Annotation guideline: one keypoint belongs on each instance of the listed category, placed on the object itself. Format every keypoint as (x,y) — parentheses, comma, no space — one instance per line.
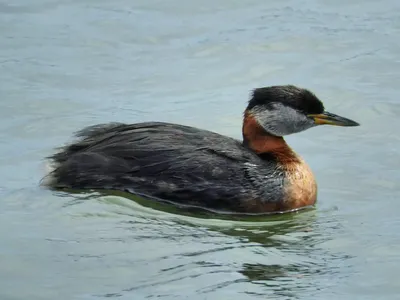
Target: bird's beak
(327,118)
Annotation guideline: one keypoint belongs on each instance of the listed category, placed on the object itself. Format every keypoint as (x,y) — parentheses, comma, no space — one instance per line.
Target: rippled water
(67,64)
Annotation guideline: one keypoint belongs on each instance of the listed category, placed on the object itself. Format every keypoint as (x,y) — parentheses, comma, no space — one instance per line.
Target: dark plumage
(169,161)
(295,97)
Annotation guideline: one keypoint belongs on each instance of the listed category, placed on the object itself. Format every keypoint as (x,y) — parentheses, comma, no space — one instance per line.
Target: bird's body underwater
(196,167)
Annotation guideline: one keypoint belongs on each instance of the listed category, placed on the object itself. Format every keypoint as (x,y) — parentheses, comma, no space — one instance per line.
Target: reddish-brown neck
(260,141)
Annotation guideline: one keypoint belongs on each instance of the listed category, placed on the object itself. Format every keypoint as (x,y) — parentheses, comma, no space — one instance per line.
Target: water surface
(67,64)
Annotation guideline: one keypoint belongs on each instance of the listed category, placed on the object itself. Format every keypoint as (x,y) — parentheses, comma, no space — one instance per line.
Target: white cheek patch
(281,119)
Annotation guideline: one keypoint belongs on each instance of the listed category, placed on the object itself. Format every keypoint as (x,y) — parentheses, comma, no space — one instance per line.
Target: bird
(192,167)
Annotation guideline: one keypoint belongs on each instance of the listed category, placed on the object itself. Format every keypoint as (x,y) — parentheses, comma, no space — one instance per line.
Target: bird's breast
(300,187)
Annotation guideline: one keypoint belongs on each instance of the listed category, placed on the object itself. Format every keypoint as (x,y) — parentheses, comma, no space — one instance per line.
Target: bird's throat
(256,138)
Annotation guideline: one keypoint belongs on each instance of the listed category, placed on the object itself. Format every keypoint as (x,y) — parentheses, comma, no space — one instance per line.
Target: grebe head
(287,109)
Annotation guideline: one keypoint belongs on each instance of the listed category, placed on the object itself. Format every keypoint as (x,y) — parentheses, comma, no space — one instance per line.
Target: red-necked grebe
(195,167)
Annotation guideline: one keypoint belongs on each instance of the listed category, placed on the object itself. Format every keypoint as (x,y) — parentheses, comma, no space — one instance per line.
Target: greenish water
(68,64)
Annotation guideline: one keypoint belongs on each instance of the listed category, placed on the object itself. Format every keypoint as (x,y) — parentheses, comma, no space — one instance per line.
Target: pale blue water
(68,64)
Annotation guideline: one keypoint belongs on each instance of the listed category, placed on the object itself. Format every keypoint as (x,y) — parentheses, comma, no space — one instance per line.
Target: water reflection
(299,262)
(278,256)
(181,209)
